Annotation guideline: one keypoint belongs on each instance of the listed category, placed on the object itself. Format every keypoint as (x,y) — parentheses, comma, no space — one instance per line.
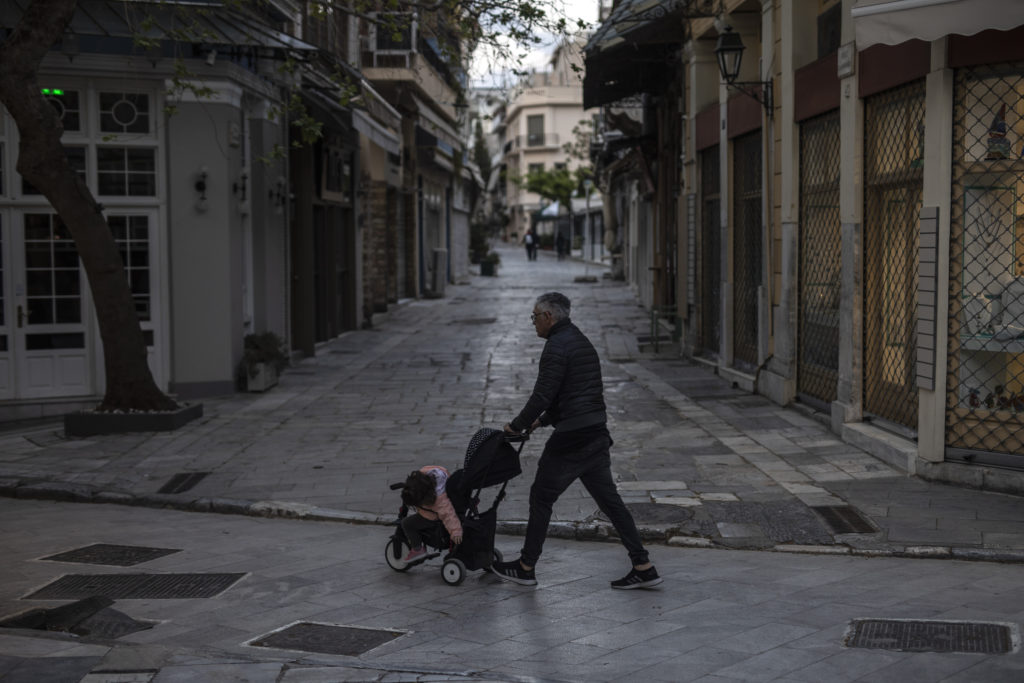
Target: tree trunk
(41,161)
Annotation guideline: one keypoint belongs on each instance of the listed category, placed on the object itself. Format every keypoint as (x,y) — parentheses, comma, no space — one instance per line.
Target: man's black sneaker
(514,572)
(637,578)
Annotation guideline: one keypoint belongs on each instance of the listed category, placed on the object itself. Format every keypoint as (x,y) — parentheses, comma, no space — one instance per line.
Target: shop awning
(630,52)
(376,133)
(892,22)
(433,123)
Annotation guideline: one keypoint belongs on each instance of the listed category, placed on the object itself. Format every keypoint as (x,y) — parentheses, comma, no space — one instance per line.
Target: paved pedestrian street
(720,615)
(773,533)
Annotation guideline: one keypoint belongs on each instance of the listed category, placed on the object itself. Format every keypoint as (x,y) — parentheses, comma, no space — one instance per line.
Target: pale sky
(538,59)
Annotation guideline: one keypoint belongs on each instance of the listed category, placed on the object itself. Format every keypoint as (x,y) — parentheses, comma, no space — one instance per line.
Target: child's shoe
(414,554)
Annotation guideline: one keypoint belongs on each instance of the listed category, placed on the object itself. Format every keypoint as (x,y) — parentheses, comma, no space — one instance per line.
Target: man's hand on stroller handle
(509,429)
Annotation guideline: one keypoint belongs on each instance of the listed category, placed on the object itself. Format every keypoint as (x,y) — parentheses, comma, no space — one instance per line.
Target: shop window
(985,403)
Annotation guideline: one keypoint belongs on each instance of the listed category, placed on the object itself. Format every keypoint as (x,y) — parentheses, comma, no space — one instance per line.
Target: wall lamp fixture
(239,186)
(729,51)
(200,187)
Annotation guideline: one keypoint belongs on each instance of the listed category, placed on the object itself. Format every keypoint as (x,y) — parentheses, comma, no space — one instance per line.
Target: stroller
(491,459)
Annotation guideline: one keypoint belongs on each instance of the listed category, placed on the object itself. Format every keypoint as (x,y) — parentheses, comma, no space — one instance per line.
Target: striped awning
(892,22)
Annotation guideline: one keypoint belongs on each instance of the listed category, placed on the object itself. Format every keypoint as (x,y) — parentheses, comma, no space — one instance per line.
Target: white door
(46,303)
(6,340)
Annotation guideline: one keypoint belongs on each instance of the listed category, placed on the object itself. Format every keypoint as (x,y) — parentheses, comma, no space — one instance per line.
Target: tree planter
(487,268)
(91,423)
(262,377)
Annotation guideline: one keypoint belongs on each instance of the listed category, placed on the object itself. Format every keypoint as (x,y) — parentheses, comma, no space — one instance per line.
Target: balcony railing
(536,140)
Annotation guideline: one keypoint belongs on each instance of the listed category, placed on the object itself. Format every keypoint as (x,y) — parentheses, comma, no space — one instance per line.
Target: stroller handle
(517,438)
(398,485)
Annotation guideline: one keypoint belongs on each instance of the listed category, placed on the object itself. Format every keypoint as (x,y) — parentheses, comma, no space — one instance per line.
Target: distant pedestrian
(425,490)
(568,394)
(531,245)
(560,245)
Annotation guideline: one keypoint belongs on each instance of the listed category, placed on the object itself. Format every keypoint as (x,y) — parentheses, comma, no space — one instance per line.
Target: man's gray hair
(555,303)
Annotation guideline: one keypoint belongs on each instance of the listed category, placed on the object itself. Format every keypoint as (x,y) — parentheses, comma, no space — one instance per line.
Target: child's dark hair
(420,489)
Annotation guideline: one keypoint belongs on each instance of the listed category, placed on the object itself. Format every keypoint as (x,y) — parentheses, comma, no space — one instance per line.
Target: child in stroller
(425,490)
(490,460)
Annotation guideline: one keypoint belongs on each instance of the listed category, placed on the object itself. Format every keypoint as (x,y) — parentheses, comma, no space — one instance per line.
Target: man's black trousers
(582,454)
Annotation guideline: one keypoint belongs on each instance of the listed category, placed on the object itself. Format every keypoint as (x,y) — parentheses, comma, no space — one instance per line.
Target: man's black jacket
(569,392)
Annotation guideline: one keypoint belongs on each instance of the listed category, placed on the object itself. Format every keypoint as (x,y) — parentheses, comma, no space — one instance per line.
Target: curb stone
(579,531)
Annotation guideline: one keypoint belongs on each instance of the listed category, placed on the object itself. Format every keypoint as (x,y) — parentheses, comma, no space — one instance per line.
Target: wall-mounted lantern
(729,51)
(200,187)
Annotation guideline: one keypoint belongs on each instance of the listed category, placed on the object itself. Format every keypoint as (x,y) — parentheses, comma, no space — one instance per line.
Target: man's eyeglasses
(534,316)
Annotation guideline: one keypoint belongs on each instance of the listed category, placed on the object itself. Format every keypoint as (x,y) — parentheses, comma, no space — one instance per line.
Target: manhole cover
(182,482)
(844,519)
(135,586)
(89,617)
(327,639)
(115,555)
(931,636)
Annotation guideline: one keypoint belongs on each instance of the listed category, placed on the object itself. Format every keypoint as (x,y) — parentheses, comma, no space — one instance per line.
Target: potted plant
(263,360)
(489,263)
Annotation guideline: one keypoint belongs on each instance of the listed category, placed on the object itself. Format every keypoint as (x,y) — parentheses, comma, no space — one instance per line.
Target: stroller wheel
(453,572)
(498,557)
(393,553)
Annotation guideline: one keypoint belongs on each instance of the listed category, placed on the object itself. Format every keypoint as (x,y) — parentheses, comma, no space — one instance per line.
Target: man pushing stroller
(569,395)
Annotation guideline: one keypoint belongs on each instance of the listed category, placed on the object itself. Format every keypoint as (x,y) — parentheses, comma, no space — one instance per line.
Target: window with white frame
(131,234)
(126,171)
(67,104)
(124,112)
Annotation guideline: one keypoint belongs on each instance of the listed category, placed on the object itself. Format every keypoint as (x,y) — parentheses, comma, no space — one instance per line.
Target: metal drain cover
(89,617)
(931,636)
(182,482)
(844,519)
(115,555)
(327,639)
(136,586)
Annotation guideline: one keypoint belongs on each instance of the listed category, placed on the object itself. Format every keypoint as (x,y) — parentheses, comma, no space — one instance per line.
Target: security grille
(985,381)
(893,186)
(820,259)
(710,254)
(746,248)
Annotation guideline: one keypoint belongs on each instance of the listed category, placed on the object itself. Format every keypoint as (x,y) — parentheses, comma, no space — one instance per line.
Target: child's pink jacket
(442,508)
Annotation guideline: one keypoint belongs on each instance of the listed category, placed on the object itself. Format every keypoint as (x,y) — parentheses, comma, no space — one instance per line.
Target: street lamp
(729,51)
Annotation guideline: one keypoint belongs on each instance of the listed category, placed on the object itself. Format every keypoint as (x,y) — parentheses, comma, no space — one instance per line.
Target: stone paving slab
(374,404)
